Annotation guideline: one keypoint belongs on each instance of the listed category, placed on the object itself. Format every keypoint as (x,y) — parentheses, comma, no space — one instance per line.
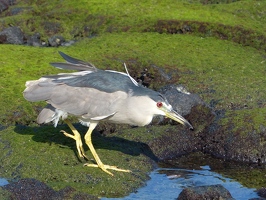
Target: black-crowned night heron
(95,95)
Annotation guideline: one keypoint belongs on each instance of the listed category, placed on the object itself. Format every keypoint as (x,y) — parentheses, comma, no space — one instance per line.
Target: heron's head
(165,109)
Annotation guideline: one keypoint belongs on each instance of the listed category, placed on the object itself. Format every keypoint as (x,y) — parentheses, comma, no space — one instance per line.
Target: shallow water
(167,183)
(3,182)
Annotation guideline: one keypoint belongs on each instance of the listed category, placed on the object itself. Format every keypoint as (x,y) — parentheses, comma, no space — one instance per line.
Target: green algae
(83,18)
(5,195)
(245,120)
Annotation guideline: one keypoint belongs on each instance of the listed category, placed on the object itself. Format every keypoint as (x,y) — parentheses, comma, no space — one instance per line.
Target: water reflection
(167,183)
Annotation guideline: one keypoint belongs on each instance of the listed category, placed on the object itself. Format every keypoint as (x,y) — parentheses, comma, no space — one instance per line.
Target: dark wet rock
(3,39)
(4,4)
(214,192)
(181,100)
(154,76)
(179,140)
(35,40)
(56,40)
(233,142)
(145,78)
(228,141)
(12,35)
(173,143)
(29,189)
(34,189)
(17,10)
(262,192)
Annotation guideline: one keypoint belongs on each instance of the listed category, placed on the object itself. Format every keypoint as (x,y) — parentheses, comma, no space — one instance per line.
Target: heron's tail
(38,90)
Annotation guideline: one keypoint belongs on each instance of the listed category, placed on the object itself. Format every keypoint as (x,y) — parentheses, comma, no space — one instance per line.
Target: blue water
(3,182)
(162,186)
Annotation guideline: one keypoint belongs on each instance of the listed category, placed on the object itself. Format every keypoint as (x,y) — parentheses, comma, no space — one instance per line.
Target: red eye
(159,104)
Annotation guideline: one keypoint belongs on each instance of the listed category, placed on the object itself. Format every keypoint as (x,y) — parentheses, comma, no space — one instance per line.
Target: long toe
(106,167)
(81,152)
(67,134)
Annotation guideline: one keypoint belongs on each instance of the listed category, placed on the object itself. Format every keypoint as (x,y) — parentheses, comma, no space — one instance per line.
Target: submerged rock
(262,192)
(205,192)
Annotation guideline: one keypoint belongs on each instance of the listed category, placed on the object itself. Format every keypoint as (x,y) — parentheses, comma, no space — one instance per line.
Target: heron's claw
(106,167)
(79,144)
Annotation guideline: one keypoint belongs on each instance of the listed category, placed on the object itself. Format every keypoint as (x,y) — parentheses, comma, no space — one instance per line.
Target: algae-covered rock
(238,135)
(34,189)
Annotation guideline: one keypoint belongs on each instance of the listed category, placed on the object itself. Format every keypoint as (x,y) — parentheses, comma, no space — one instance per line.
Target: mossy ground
(70,18)
(54,161)
(227,74)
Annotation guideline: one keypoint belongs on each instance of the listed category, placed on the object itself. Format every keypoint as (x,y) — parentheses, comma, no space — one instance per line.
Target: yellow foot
(79,144)
(106,167)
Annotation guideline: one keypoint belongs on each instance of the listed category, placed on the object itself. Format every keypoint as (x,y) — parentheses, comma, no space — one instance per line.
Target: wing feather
(74,64)
(70,66)
(107,81)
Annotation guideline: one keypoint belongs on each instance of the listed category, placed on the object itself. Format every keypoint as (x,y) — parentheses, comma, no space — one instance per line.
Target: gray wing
(101,80)
(108,81)
(87,102)
(78,101)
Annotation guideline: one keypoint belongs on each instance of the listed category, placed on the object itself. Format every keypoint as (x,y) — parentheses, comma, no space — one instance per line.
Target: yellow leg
(95,155)
(76,137)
